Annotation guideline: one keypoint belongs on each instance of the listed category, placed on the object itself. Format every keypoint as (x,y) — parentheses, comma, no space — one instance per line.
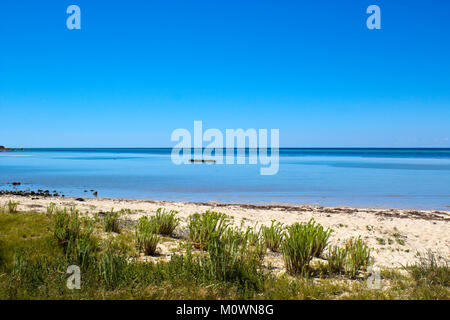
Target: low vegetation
(273,235)
(205,227)
(11,207)
(146,236)
(302,243)
(111,221)
(165,222)
(216,261)
(430,270)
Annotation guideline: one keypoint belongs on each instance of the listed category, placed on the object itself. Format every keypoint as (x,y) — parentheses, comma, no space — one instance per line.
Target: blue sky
(137,70)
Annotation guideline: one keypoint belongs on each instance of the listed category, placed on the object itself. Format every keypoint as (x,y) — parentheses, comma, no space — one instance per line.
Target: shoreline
(91,195)
(395,235)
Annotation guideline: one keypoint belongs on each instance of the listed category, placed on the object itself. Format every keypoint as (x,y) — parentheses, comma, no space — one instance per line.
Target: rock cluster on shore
(41,193)
(3,149)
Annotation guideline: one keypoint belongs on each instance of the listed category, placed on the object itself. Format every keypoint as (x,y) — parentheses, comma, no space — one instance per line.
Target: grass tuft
(165,222)
(336,258)
(430,270)
(273,235)
(111,221)
(358,256)
(74,235)
(302,243)
(12,206)
(205,227)
(146,237)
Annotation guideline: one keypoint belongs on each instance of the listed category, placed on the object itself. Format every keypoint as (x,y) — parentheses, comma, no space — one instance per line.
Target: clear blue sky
(137,70)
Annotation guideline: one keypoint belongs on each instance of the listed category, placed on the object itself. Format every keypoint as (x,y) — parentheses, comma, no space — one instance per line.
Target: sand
(396,235)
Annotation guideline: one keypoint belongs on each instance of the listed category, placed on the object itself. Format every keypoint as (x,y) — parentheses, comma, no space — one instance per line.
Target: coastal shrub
(336,258)
(254,235)
(430,270)
(66,227)
(297,249)
(230,269)
(111,266)
(85,248)
(143,224)
(74,235)
(357,258)
(301,243)
(231,260)
(165,222)
(235,235)
(350,260)
(111,221)
(205,227)
(146,237)
(148,242)
(30,273)
(32,270)
(273,235)
(319,235)
(51,208)
(12,206)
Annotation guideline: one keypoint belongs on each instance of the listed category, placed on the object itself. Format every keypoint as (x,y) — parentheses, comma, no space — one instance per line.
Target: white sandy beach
(395,235)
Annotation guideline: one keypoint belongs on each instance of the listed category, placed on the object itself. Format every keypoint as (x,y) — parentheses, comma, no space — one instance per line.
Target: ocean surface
(407,178)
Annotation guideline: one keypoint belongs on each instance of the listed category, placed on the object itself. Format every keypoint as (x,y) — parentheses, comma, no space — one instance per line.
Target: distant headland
(3,149)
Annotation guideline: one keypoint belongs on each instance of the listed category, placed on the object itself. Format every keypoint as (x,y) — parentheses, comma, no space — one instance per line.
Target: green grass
(302,243)
(146,236)
(358,257)
(12,206)
(430,270)
(205,227)
(273,235)
(34,259)
(111,221)
(336,259)
(22,231)
(350,260)
(165,222)
(51,208)
(74,235)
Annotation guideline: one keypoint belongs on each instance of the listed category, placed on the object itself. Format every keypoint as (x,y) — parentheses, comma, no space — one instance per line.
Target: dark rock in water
(79,199)
(16,183)
(95,194)
(202,161)
(85,191)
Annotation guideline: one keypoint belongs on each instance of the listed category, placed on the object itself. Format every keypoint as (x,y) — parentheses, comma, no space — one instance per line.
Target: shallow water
(409,178)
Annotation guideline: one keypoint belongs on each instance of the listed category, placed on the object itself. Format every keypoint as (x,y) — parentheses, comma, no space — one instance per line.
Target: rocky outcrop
(3,149)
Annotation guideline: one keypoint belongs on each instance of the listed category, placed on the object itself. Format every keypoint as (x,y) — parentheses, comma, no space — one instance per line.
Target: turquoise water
(409,178)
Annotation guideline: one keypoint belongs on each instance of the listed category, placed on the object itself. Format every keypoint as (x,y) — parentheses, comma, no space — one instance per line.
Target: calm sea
(409,178)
